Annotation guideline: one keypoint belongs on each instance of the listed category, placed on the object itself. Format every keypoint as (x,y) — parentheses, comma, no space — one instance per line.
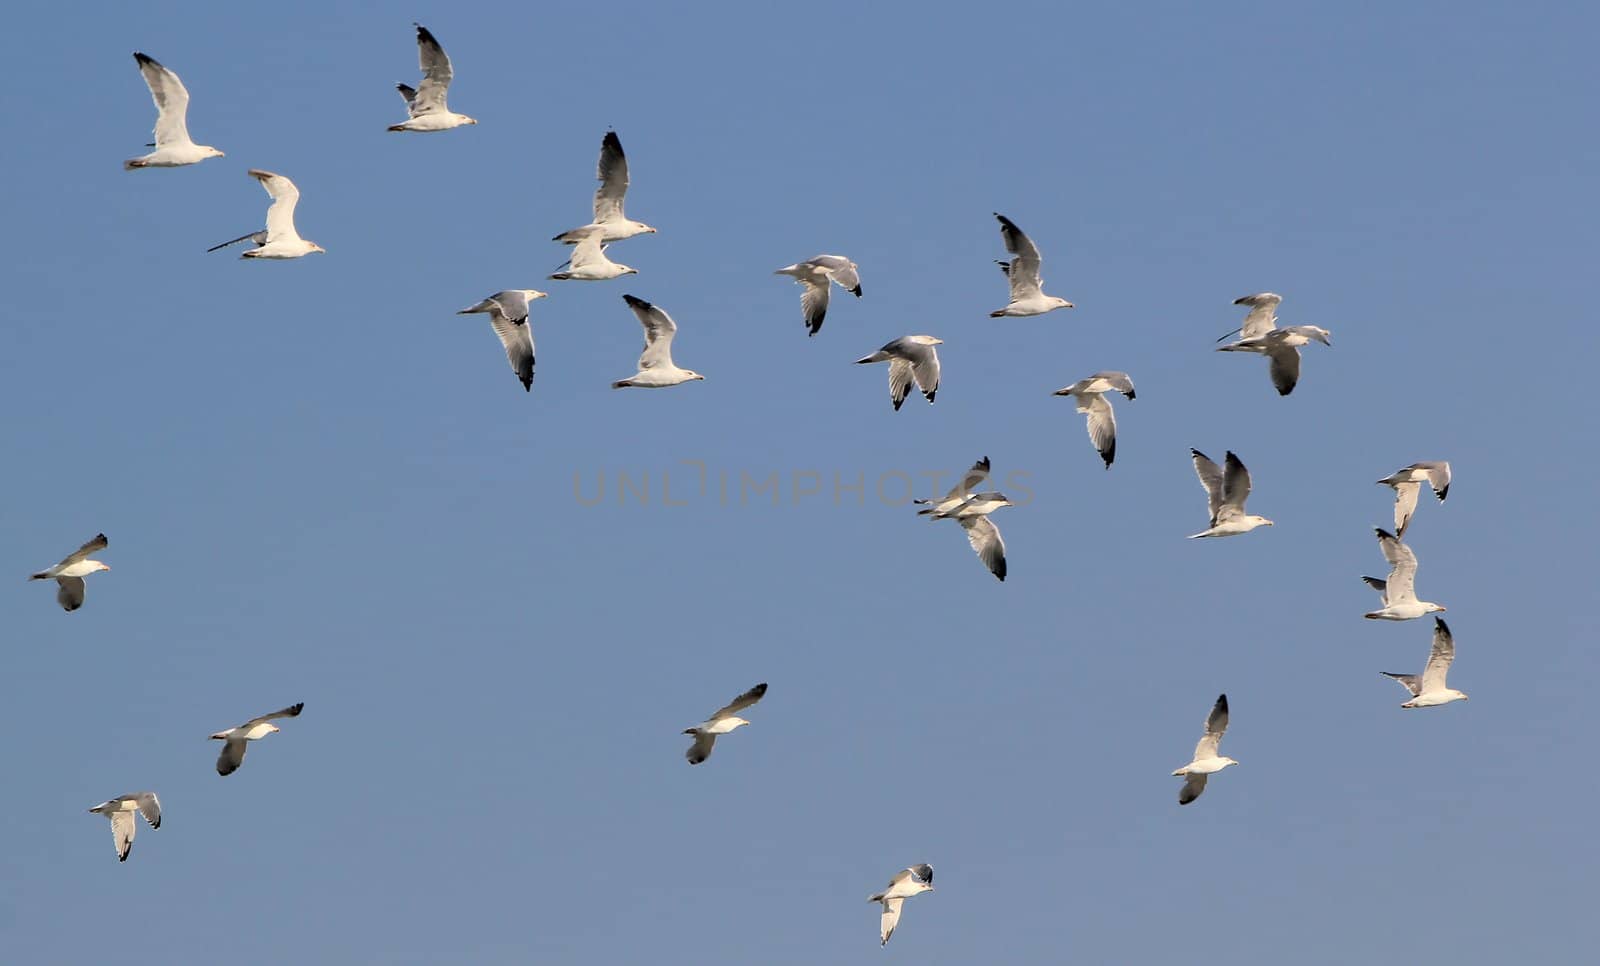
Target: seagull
(612,171)
(1407,484)
(1280,346)
(235,740)
(1226,492)
(1399,593)
(120,810)
(909,357)
(722,721)
(1027,296)
(958,496)
(905,884)
(426,102)
(814,274)
(589,262)
(69,573)
(656,369)
(279,240)
(972,510)
(173,149)
(1206,760)
(1427,689)
(1090,395)
(508,313)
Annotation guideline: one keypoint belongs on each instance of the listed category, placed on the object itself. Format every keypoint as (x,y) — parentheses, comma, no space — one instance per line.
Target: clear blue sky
(321,485)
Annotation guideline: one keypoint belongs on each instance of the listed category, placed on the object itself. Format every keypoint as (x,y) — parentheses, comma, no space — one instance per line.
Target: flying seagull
(69,573)
(963,491)
(905,884)
(508,313)
(612,171)
(589,262)
(909,357)
(120,810)
(235,740)
(1027,294)
(173,149)
(722,721)
(1090,395)
(1407,484)
(972,510)
(279,240)
(1226,491)
(1428,689)
(1398,593)
(656,369)
(1280,346)
(1206,760)
(426,102)
(814,274)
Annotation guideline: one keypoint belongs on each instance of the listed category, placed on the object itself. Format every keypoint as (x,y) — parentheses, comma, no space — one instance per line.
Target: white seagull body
(173,149)
(722,721)
(1428,689)
(121,811)
(656,368)
(1090,395)
(69,573)
(1027,288)
(972,510)
(612,170)
(508,314)
(1206,760)
(1399,592)
(1226,491)
(1280,346)
(235,740)
(1407,484)
(905,884)
(814,274)
(910,357)
(425,103)
(280,240)
(589,262)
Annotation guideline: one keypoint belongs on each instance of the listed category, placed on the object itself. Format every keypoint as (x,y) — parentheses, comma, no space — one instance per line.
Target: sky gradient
(321,485)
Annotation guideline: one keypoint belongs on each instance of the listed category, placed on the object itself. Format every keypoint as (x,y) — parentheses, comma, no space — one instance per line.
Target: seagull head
(98,566)
(273,729)
(1318,333)
(1226,762)
(212,152)
(1061,303)
(532,293)
(317,248)
(736,723)
(694,375)
(1260,521)
(1432,607)
(468,120)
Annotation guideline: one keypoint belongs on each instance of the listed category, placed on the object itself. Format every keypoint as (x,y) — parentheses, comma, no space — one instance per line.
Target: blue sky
(321,485)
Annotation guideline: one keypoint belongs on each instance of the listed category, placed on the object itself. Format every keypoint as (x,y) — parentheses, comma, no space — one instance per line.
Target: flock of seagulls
(913,361)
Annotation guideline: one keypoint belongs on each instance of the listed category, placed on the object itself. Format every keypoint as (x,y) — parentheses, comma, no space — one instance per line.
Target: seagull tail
(397,127)
(623,384)
(41,575)
(129,165)
(561,276)
(997,313)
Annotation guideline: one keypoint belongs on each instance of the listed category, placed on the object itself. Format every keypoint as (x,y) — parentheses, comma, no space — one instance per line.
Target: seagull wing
(899,381)
(98,543)
(1405,504)
(122,830)
(1235,482)
(1440,657)
(292,711)
(1118,381)
(1193,785)
(889,919)
(1023,270)
(231,756)
(700,750)
(658,332)
(612,171)
(590,250)
(1211,478)
(70,594)
(969,484)
(842,270)
(430,94)
(987,542)
(1438,476)
(1381,586)
(738,704)
(1411,682)
(172,102)
(1216,725)
(149,807)
(814,301)
(1401,585)
(280,216)
(1263,314)
(1102,424)
(1283,365)
(409,93)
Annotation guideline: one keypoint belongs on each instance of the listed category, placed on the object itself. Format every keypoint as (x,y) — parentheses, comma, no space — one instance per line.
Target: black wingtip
(635,302)
(856,291)
(143,59)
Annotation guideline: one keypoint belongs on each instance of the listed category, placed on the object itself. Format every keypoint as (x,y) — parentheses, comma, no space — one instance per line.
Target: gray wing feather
(743,701)
(430,94)
(70,593)
(612,170)
(1211,478)
(987,543)
(1440,657)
